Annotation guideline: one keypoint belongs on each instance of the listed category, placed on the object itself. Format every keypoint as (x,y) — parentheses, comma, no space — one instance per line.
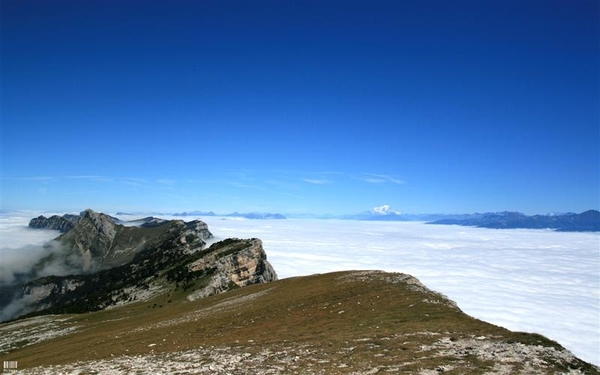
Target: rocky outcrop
(151,222)
(38,291)
(55,222)
(199,229)
(238,263)
(125,264)
(92,238)
(94,241)
(248,266)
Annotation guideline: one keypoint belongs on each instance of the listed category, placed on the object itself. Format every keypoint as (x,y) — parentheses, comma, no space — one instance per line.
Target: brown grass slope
(355,322)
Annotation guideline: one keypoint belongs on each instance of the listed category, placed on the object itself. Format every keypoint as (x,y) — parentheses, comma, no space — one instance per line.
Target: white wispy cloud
(315,181)
(374,180)
(381,179)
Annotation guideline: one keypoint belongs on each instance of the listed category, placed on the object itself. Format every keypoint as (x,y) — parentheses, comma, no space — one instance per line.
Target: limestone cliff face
(44,287)
(248,266)
(38,291)
(238,263)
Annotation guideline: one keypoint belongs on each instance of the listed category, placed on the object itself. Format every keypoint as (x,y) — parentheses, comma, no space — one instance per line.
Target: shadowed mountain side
(357,322)
(101,241)
(60,223)
(169,264)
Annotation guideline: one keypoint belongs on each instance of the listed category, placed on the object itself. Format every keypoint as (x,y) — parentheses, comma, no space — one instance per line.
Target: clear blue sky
(300,106)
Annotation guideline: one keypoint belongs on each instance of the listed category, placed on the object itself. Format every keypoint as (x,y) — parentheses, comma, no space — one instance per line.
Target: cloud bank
(525,280)
(21,248)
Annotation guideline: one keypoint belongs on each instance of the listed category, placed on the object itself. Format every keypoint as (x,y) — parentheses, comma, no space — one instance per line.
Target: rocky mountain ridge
(588,221)
(103,241)
(113,264)
(60,223)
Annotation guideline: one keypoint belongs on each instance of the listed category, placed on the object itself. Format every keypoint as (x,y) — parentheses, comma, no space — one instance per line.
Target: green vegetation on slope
(347,322)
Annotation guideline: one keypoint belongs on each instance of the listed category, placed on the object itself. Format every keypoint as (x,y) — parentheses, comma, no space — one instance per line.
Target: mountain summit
(385,210)
(100,263)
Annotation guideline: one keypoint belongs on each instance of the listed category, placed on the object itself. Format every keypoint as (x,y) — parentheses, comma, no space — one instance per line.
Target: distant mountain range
(386,213)
(249,215)
(588,221)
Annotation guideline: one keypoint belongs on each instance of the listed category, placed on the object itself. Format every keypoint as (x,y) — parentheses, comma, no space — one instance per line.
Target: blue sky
(303,106)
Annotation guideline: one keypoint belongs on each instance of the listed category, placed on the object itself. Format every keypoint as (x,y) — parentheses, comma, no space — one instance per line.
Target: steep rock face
(199,229)
(55,222)
(248,266)
(37,292)
(93,235)
(97,241)
(237,263)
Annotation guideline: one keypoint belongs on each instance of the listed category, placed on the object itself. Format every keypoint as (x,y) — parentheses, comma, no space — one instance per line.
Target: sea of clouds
(21,247)
(526,280)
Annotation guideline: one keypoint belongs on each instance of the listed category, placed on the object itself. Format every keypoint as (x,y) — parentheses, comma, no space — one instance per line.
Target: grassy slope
(363,322)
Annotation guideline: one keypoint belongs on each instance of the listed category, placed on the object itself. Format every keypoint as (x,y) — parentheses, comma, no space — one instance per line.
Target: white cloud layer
(20,246)
(14,232)
(20,250)
(526,280)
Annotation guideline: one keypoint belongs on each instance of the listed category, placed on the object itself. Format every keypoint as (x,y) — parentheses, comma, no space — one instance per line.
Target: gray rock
(59,223)
(115,264)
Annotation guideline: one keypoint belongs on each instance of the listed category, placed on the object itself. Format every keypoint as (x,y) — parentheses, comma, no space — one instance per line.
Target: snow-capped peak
(385,210)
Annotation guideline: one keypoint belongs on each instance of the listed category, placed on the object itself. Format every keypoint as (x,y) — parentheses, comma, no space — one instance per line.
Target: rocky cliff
(60,223)
(125,264)
(237,263)
(170,264)
(94,241)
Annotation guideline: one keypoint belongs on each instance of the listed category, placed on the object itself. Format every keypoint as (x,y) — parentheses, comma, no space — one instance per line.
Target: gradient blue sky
(300,106)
